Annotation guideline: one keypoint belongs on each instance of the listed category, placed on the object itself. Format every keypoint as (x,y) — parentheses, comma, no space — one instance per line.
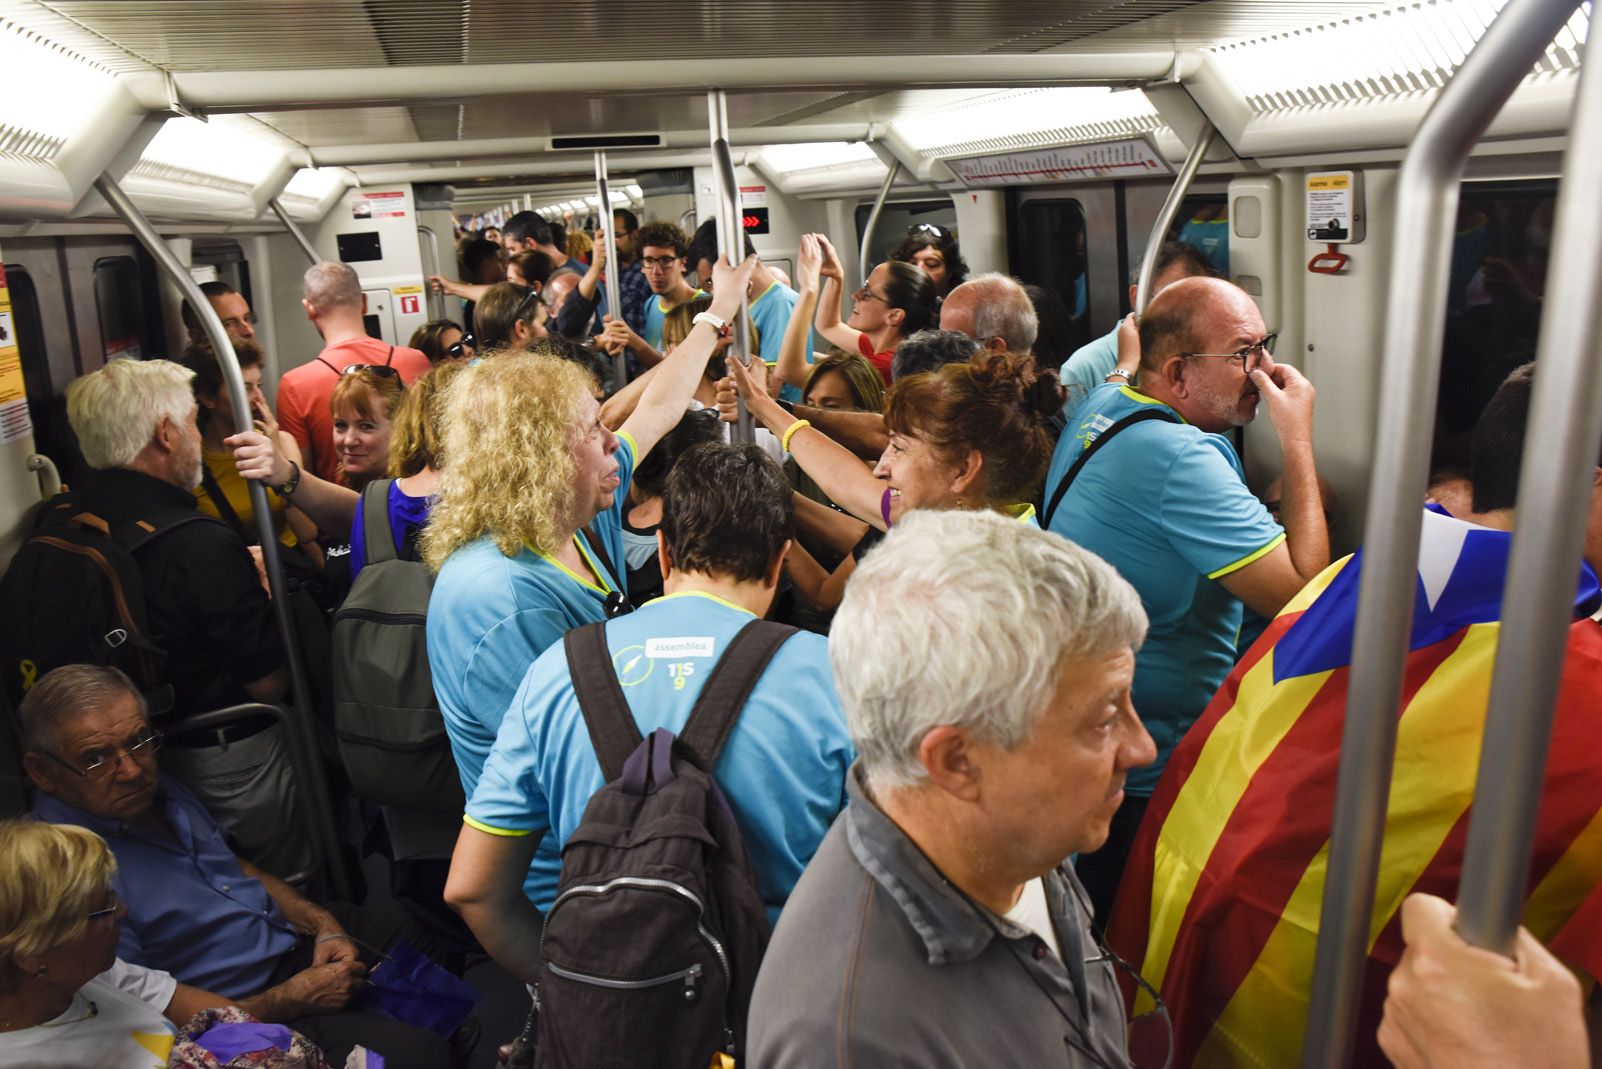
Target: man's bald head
(994,311)
(1184,315)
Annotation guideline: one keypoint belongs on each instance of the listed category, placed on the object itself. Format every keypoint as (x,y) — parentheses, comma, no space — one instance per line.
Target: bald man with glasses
(1148,479)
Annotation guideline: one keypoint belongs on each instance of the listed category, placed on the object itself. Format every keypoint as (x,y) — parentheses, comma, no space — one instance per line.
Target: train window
(1493,303)
(1203,221)
(1052,253)
(894,222)
(119,304)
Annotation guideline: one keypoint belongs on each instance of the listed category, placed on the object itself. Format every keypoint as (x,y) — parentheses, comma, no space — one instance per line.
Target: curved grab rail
(1165,217)
(238,399)
(1426,209)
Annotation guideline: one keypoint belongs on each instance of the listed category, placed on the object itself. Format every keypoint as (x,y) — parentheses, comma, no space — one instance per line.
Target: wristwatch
(1118,372)
(290,483)
(718,323)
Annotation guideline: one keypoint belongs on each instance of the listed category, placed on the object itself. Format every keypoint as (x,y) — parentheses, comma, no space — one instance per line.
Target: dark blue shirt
(407,515)
(191,910)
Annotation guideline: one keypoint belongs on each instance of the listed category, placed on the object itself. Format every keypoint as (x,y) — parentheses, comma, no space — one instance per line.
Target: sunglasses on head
(383,371)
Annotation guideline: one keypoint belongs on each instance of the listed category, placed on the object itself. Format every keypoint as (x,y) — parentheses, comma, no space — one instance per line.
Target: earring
(40,971)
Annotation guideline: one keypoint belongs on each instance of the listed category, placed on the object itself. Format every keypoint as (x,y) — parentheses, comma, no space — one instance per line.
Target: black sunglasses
(459,350)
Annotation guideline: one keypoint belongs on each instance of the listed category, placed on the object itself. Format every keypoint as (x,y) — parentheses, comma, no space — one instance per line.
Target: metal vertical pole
(294,230)
(315,793)
(1555,496)
(1165,217)
(620,365)
(1426,210)
(731,238)
(873,218)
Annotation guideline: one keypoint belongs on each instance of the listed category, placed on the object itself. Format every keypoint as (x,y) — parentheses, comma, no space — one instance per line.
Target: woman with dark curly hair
(934,248)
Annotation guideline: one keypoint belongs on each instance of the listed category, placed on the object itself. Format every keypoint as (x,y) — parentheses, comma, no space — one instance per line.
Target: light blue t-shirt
(656,315)
(1085,370)
(1167,505)
(770,314)
(491,615)
(783,767)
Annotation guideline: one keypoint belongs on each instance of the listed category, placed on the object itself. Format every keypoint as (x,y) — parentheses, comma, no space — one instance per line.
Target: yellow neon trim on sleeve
(505,833)
(1248,558)
(634,447)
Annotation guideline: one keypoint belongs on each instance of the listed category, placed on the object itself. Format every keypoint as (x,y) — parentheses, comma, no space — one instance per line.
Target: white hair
(1004,311)
(968,619)
(329,284)
(114,411)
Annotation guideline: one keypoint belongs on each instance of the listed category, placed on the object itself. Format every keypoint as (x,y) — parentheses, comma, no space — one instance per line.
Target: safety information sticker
(1329,206)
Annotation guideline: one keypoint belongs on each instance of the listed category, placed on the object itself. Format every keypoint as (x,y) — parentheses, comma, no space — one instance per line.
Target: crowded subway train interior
(150,147)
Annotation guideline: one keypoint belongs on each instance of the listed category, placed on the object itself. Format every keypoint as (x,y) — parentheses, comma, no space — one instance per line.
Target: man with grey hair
(984,666)
(203,602)
(337,307)
(994,311)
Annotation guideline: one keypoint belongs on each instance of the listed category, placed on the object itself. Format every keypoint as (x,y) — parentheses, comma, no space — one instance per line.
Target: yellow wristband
(784,440)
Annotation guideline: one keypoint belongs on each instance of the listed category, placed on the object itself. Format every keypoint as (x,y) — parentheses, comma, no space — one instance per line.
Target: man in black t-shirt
(204,602)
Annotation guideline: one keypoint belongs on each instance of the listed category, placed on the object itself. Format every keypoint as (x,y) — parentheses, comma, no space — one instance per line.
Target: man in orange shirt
(335,304)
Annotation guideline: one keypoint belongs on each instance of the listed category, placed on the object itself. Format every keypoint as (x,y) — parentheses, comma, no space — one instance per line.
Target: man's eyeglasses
(661,263)
(109,911)
(98,764)
(1151,1034)
(1248,356)
(459,350)
(383,371)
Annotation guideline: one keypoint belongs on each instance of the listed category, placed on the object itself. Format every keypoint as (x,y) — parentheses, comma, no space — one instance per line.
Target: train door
(112,296)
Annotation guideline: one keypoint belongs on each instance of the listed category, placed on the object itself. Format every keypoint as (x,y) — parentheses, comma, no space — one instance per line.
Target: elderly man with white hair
(984,666)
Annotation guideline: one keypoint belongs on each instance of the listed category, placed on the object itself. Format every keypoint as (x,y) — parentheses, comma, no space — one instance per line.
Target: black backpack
(74,595)
(651,949)
(391,734)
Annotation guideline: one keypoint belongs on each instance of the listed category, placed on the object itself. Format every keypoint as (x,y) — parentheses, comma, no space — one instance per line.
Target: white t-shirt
(1030,912)
(115,1020)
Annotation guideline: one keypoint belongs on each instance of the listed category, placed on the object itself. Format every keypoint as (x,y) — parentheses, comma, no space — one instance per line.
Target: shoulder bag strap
(607,715)
(1090,451)
(225,508)
(729,687)
(378,541)
(593,540)
(390,359)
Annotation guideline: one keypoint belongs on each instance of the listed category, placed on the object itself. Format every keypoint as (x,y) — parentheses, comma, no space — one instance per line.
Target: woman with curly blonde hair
(529,466)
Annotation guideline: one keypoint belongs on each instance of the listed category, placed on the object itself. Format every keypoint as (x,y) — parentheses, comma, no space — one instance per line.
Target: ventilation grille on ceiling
(187,177)
(1388,54)
(22,143)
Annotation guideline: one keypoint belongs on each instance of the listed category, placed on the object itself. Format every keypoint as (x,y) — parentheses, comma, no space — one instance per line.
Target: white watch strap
(708,317)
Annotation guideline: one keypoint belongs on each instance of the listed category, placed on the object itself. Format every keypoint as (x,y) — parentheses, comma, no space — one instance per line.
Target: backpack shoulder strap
(1073,472)
(729,687)
(376,534)
(136,534)
(607,715)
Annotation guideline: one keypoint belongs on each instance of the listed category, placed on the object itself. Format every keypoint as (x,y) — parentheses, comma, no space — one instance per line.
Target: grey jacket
(878,961)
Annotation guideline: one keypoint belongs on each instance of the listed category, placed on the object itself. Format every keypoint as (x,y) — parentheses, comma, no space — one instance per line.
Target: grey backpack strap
(607,715)
(729,687)
(379,541)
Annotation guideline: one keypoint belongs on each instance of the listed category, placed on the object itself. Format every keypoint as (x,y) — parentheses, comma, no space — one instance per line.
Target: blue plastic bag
(408,987)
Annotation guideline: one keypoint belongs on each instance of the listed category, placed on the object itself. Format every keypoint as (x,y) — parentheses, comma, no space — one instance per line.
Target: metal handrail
(1555,493)
(49,477)
(239,402)
(731,239)
(436,300)
(1165,217)
(614,299)
(303,764)
(1426,209)
(873,218)
(294,231)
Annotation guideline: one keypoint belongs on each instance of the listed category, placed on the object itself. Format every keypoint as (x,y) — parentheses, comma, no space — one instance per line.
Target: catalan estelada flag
(1219,906)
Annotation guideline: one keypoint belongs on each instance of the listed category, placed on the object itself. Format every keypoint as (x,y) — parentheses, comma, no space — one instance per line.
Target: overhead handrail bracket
(1426,210)
(294,230)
